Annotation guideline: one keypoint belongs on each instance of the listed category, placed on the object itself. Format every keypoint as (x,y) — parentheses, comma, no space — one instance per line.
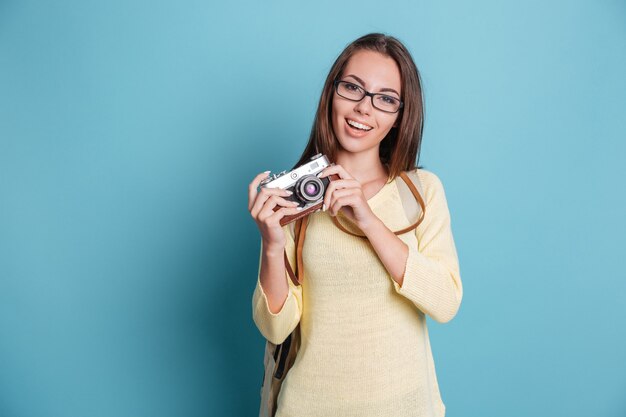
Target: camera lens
(309,188)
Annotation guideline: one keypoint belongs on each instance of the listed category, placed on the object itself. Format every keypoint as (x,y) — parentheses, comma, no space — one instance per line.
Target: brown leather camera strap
(417,196)
(300,231)
(289,270)
(299,244)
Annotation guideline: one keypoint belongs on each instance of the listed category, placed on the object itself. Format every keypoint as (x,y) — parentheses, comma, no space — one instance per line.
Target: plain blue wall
(129,131)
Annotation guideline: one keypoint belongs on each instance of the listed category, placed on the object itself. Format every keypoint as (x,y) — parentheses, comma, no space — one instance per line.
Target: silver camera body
(308,189)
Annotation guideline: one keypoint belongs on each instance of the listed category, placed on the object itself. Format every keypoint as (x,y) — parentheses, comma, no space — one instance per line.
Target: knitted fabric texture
(365,347)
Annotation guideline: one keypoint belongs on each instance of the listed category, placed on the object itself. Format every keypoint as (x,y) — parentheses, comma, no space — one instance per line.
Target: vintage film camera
(308,189)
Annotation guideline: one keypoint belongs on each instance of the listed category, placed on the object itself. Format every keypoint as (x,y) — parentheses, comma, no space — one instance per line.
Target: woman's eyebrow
(363,83)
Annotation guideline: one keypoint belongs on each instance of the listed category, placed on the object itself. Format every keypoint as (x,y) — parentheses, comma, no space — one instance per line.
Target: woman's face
(375,73)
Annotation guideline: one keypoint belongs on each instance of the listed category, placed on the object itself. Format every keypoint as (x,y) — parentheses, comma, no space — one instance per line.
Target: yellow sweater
(365,348)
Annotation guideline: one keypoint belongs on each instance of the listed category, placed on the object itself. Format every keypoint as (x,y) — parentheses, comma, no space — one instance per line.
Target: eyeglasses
(354,92)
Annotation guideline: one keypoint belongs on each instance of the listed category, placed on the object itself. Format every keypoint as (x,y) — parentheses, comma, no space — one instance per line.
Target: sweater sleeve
(275,327)
(432,279)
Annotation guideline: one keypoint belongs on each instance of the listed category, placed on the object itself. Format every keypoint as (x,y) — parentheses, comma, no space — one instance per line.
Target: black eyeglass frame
(365,94)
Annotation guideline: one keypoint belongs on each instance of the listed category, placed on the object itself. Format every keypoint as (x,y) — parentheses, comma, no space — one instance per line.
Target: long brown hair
(400,149)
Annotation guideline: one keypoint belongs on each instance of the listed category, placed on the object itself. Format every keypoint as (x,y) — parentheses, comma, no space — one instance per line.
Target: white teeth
(358,125)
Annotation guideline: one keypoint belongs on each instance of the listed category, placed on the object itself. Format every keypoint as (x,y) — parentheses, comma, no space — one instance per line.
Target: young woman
(361,307)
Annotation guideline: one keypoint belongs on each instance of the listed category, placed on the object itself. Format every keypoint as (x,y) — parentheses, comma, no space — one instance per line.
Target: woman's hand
(347,195)
(261,206)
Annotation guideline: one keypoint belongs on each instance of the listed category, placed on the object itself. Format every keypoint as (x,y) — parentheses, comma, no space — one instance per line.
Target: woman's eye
(388,99)
(352,87)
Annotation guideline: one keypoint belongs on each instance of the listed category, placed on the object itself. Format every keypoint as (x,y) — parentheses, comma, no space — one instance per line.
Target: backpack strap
(409,194)
(412,202)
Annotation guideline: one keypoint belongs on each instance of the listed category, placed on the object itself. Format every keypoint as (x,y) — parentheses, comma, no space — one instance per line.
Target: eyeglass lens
(356,93)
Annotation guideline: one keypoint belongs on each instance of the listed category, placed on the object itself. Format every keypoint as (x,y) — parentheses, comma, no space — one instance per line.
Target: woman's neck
(364,168)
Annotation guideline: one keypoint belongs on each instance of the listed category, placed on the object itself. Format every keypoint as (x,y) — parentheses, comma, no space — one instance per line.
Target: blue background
(129,131)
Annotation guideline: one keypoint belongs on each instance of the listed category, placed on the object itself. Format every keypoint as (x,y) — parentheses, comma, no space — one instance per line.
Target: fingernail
(324,207)
(288,192)
(266,172)
(299,208)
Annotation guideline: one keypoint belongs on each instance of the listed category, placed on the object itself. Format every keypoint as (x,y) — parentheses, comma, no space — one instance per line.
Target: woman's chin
(352,145)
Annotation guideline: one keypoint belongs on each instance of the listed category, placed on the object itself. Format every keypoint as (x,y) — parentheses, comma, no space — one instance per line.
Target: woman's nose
(364,106)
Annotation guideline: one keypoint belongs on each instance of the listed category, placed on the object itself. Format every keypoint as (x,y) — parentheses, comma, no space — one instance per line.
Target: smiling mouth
(358,125)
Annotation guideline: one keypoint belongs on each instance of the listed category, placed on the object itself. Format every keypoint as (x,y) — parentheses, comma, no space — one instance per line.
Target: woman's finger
(337,185)
(349,183)
(336,169)
(270,197)
(343,201)
(271,217)
(252,188)
(341,194)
